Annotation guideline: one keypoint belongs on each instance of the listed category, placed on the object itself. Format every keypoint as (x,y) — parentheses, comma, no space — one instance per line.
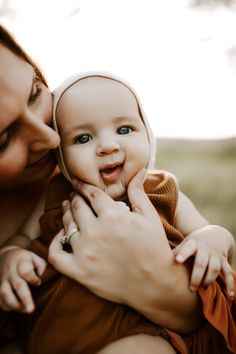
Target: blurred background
(180,56)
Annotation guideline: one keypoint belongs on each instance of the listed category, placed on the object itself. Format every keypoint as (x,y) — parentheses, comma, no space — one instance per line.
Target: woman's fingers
(81,213)
(138,198)
(59,258)
(98,199)
(70,226)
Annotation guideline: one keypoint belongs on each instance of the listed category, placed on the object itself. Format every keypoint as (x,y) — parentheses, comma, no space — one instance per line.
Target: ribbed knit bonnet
(58,92)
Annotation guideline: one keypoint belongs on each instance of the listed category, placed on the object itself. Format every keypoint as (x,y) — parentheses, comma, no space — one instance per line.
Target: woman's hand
(123,255)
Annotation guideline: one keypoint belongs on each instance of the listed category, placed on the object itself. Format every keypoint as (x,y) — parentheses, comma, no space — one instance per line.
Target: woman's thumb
(136,194)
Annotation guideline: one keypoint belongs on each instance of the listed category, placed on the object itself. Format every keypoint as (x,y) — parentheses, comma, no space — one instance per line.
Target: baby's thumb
(39,263)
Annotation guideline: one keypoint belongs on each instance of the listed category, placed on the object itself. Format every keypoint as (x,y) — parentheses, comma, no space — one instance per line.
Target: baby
(105,141)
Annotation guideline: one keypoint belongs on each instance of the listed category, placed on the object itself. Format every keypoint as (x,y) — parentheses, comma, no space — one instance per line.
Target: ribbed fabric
(70,319)
(62,303)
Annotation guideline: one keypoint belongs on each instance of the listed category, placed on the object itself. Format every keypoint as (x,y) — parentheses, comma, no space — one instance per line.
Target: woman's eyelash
(35,95)
(6,142)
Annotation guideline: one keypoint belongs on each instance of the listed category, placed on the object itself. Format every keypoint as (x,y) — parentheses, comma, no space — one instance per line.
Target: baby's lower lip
(110,175)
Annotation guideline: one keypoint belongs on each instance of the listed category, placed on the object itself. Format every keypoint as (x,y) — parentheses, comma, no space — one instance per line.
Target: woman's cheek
(13,164)
(10,171)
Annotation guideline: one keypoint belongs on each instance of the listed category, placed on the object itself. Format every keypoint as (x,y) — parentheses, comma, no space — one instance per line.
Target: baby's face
(104,141)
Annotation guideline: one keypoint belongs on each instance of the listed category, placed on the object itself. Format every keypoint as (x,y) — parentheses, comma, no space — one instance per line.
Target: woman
(27,164)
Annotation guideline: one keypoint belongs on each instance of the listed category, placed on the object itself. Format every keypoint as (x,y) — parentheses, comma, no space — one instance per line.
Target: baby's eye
(124,130)
(82,139)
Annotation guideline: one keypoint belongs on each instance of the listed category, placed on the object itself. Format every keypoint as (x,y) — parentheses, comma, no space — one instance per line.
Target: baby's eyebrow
(71,130)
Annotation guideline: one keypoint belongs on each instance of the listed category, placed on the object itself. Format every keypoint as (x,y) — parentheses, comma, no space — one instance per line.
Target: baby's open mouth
(111,173)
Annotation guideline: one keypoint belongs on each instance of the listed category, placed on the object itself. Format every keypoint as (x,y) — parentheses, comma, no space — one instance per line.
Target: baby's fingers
(213,270)
(39,264)
(27,272)
(23,293)
(199,269)
(229,279)
(185,250)
(8,298)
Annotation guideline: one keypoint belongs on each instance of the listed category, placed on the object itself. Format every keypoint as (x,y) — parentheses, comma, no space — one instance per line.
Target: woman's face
(26,139)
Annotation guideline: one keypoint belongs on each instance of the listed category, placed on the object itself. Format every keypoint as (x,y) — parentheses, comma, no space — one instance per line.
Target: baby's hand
(211,250)
(17,268)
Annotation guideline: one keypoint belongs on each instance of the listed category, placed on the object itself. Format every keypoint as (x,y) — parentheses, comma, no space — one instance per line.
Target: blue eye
(82,139)
(124,130)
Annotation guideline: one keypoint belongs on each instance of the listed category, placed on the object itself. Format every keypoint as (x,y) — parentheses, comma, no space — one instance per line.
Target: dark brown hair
(10,42)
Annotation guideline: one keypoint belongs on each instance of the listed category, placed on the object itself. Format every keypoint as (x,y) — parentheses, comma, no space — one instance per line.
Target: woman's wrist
(167,299)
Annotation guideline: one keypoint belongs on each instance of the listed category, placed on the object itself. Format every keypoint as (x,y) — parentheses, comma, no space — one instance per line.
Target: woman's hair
(9,42)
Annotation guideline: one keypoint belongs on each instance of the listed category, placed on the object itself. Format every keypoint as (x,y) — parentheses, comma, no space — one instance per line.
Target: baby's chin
(118,193)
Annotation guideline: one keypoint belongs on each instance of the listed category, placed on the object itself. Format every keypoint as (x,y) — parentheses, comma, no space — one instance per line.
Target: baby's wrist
(8,248)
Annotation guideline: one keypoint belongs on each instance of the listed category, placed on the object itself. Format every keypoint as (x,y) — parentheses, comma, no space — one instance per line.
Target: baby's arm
(18,266)
(213,246)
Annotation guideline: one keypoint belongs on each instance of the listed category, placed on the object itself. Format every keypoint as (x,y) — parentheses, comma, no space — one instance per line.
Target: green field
(206,171)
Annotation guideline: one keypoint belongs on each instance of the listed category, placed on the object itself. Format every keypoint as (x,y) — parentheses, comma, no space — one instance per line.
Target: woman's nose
(43,137)
(107,147)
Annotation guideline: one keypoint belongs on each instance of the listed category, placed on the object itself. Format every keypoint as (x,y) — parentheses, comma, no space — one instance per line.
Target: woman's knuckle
(75,203)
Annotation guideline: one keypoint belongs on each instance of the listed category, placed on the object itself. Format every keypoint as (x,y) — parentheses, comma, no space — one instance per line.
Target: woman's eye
(124,130)
(35,94)
(4,140)
(83,139)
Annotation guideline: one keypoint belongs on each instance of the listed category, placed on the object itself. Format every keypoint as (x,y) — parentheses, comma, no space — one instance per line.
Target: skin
(160,305)
(26,140)
(102,134)
(22,184)
(25,136)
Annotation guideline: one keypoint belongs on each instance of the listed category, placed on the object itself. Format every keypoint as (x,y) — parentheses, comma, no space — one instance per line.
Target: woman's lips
(110,174)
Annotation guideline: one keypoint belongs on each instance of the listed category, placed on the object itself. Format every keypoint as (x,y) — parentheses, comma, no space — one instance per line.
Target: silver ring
(65,240)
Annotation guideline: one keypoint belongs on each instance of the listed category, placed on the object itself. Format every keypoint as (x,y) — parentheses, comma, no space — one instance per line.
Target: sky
(180,60)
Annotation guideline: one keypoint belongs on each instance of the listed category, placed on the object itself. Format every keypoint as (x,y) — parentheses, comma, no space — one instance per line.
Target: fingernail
(29,308)
(64,203)
(72,195)
(231,293)
(75,183)
(179,258)
(193,288)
